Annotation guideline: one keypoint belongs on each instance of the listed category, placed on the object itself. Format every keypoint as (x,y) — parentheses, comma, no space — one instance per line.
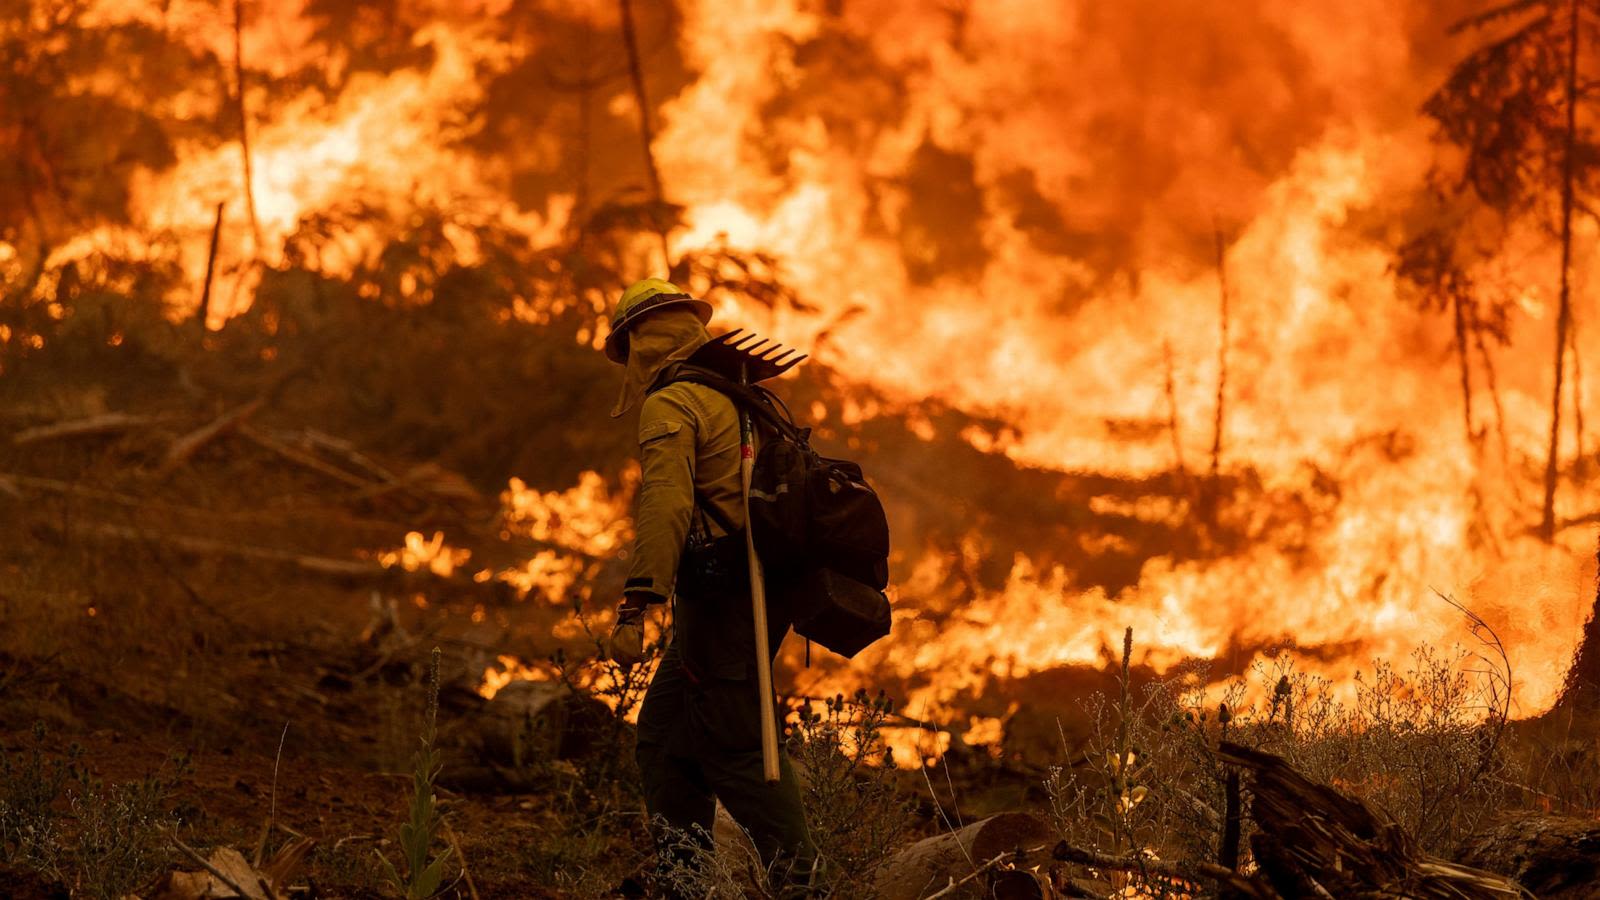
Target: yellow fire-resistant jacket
(688,440)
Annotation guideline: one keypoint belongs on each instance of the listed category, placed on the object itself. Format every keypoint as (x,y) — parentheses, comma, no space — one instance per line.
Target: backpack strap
(752,399)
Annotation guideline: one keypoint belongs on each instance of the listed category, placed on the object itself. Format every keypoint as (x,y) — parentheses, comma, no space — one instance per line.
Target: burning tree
(55,184)
(1512,108)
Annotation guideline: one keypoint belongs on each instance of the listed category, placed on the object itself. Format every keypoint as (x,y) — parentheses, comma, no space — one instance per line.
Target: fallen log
(1556,857)
(92,426)
(1312,841)
(189,444)
(12,483)
(437,481)
(934,863)
(186,446)
(310,437)
(427,480)
(300,457)
(345,571)
(354,569)
(15,485)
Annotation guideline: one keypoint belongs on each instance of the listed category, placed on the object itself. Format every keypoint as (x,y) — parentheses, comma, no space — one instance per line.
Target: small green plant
(424,872)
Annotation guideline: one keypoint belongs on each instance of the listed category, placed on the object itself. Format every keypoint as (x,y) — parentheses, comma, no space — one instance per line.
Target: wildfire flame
(1097,148)
(588,518)
(431,554)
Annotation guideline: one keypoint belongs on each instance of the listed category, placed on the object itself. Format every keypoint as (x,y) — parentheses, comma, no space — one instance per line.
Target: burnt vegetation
(258,573)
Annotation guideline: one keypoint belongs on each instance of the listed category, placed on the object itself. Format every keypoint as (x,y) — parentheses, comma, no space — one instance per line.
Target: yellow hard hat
(640,299)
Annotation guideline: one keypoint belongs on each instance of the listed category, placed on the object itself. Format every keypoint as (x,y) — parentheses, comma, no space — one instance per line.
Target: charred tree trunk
(1547,526)
(1579,466)
(22,292)
(636,72)
(244,122)
(1313,841)
(1466,370)
(204,310)
(1172,412)
(1494,394)
(581,199)
(1581,692)
(1222,361)
(26,179)
(1232,820)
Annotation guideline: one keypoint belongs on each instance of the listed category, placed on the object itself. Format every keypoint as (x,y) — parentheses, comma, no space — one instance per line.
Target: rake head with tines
(740,354)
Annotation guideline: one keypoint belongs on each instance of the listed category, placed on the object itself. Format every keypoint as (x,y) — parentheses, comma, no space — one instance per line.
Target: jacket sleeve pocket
(655,431)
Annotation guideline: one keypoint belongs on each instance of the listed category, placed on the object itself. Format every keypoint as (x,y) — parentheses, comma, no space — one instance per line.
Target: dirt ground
(140,658)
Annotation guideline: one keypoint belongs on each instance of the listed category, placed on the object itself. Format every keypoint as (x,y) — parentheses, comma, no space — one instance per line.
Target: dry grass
(1423,743)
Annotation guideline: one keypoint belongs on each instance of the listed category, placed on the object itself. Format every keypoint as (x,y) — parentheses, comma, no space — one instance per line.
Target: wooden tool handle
(758,606)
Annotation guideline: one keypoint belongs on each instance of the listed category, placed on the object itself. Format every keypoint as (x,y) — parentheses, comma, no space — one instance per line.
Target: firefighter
(699,725)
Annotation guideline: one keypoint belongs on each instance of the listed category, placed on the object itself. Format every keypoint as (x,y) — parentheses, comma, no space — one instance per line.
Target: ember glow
(1012,210)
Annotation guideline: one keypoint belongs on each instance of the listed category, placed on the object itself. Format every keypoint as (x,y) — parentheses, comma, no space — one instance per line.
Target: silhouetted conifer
(1516,109)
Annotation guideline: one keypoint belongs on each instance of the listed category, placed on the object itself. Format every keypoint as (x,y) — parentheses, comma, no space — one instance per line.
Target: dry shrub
(686,868)
(1422,744)
(31,786)
(60,821)
(118,845)
(856,816)
(1556,764)
(595,836)
(1118,797)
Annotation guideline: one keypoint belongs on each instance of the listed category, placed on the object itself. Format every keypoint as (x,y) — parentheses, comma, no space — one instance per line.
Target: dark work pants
(699,742)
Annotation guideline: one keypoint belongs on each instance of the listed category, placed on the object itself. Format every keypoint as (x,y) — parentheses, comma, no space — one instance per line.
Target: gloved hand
(626,645)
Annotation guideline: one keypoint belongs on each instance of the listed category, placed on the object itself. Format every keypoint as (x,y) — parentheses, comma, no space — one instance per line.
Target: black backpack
(818,526)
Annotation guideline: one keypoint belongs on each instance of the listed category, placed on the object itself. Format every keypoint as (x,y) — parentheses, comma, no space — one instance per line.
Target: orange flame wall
(1018,202)
(1104,144)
